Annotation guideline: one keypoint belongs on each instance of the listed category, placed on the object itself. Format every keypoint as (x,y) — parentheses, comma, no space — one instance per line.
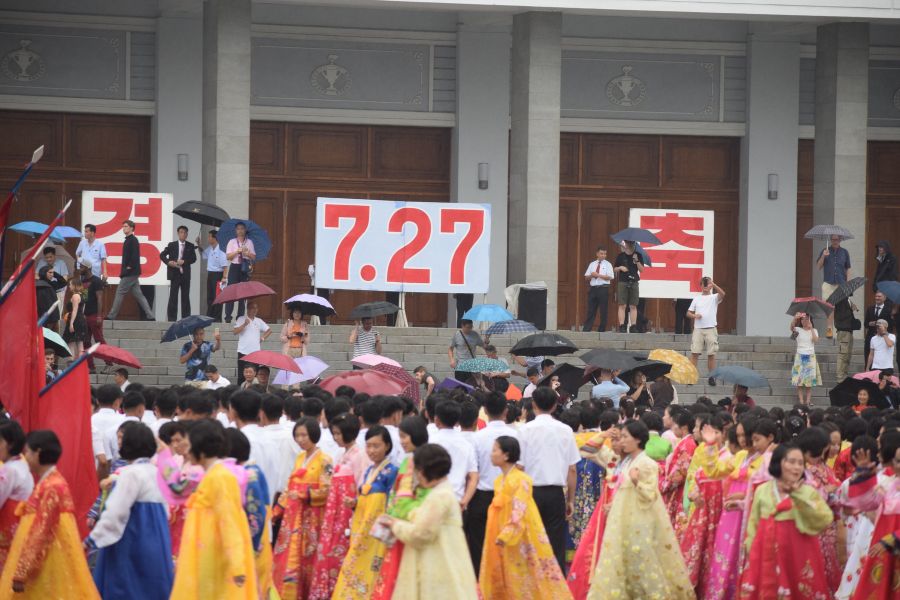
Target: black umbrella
(201,212)
(636,234)
(185,327)
(844,393)
(652,369)
(570,378)
(607,358)
(812,306)
(543,344)
(845,290)
(373,309)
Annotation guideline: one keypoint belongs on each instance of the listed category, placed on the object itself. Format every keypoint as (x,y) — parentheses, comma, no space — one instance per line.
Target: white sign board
(402,246)
(152,216)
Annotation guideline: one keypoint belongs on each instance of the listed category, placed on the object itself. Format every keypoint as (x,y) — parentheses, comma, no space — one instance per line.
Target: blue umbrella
(741,376)
(645,256)
(635,234)
(512,326)
(260,238)
(489,313)
(891,289)
(482,365)
(35,229)
(185,327)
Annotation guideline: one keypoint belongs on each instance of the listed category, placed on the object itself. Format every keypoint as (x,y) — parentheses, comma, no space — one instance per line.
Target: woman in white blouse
(805,373)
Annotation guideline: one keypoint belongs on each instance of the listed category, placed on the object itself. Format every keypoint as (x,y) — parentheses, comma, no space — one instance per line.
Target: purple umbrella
(451,384)
(309,304)
(311,366)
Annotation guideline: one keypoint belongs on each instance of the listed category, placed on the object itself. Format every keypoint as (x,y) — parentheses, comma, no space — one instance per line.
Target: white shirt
(281,438)
(135,483)
(222,418)
(111,439)
(604,267)
(462,457)
(95,253)
(215,259)
(397,452)
(248,338)
(706,305)
(432,430)
(529,389)
(124,385)
(483,441)
(805,345)
(148,419)
(548,450)
(157,425)
(884,356)
(16,482)
(264,452)
(101,421)
(328,445)
(214,385)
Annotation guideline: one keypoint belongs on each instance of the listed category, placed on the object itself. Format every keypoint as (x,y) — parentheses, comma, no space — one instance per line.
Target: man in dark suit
(882,309)
(178,257)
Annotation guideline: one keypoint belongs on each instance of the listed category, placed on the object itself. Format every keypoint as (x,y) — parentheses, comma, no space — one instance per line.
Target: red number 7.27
(450,217)
(360,215)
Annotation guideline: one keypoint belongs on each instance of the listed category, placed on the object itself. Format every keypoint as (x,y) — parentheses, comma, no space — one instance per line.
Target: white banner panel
(152,216)
(685,254)
(402,246)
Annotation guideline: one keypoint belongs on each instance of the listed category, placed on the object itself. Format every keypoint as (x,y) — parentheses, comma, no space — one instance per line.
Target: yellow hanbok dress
(524,567)
(640,558)
(46,552)
(215,544)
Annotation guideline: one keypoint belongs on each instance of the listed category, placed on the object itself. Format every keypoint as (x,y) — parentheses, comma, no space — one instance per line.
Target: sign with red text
(402,246)
(685,254)
(152,216)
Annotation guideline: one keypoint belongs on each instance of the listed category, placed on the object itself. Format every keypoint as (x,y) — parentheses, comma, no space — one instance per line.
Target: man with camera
(881,349)
(703,311)
(628,266)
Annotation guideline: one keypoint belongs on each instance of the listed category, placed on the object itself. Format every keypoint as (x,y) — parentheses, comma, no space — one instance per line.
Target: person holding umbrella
(251,330)
(834,262)
(195,355)
(629,265)
(240,253)
(294,334)
(216,269)
(365,339)
(805,373)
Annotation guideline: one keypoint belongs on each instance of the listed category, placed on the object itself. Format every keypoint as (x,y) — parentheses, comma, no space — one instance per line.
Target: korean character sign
(402,246)
(152,216)
(685,254)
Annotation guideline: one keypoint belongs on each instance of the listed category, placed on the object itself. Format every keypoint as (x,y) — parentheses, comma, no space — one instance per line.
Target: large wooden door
(292,164)
(81,152)
(603,176)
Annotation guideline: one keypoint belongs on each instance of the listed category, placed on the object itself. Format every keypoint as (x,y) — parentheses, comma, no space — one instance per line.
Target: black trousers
(179,284)
(598,298)
(475,522)
(235,275)
(551,503)
(682,323)
(212,280)
(463,303)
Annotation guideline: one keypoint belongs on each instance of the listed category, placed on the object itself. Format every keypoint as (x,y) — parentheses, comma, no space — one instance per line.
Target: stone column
(481,134)
(226,105)
(842,102)
(534,153)
(766,271)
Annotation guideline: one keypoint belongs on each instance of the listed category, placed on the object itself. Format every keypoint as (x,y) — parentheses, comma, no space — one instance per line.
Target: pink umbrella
(366,381)
(242,291)
(117,356)
(370,360)
(873,376)
(272,359)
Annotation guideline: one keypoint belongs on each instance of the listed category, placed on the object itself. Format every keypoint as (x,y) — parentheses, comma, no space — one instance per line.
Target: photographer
(294,334)
(881,349)
(628,266)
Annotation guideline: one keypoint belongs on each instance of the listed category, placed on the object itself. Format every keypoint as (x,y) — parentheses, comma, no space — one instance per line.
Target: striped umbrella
(511,326)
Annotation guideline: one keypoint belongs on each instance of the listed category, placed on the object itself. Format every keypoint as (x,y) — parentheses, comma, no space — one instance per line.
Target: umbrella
(370,360)
(891,289)
(309,304)
(740,376)
(543,344)
(874,376)
(54,341)
(812,306)
(117,356)
(683,371)
(844,393)
(364,381)
(272,359)
(310,368)
(606,358)
(510,326)
(450,384)
(256,234)
(571,378)
(824,232)
(636,234)
(412,388)
(488,313)
(243,290)
(482,365)
(370,310)
(845,290)
(652,369)
(35,229)
(644,255)
(202,212)
(186,327)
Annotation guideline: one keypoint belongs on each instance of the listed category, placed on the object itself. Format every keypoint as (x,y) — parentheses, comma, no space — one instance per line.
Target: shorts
(828,289)
(707,337)
(628,292)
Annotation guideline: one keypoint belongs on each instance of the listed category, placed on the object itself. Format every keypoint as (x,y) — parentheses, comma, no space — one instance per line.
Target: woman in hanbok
(679,462)
(132,534)
(639,558)
(216,558)
(588,484)
(436,564)
(357,577)
(176,476)
(46,559)
(16,482)
(301,509)
(517,561)
(784,556)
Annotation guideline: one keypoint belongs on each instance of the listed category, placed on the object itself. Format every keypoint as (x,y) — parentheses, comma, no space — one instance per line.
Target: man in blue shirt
(93,251)
(216,266)
(195,354)
(835,265)
(609,387)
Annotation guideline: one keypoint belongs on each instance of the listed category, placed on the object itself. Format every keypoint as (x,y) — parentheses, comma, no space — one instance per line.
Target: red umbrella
(117,356)
(242,291)
(365,380)
(411,385)
(272,359)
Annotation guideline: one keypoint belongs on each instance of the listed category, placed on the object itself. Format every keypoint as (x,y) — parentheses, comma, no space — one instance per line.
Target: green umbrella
(59,345)
(482,365)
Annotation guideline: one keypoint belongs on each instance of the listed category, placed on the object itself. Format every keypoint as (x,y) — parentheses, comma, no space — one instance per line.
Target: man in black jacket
(178,256)
(887,264)
(131,271)
(882,309)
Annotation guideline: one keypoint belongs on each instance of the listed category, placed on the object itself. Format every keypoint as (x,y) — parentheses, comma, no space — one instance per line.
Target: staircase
(427,346)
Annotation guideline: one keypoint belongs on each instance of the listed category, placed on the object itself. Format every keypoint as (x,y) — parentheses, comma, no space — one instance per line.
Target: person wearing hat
(881,349)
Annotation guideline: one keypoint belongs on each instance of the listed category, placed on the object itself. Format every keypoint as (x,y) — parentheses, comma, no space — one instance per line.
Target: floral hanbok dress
(674,479)
(589,478)
(880,577)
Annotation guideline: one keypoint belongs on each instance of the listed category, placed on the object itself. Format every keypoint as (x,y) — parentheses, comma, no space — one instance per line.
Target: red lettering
(667,266)
(150,262)
(450,217)
(397,271)
(672,227)
(114,251)
(151,229)
(333,215)
(120,209)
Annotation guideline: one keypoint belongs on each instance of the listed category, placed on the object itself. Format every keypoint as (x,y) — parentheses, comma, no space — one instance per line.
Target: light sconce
(484,173)
(773,186)
(183,167)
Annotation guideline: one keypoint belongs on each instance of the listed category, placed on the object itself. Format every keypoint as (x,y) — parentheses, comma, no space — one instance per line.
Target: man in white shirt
(598,275)
(549,456)
(92,251)
(391,415)
(244,412)
(533,374)
(703,311)
(464,468)
(251,330)
(475,519)
(109,397)
(216,266)
(164,409)
(281,436)
(120,376)
(133,406)
(214,379)
(881,348)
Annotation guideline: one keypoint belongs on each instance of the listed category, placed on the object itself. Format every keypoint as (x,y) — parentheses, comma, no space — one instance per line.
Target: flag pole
(42,240)
(70,368)
(46,315)
(4,209)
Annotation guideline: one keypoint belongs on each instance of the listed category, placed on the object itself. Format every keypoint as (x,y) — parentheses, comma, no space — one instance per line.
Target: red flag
(22,351)
(66,409)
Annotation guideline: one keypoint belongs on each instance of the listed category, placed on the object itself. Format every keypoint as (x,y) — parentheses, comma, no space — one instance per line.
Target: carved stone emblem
(626,89)
(330,79)
(23,64)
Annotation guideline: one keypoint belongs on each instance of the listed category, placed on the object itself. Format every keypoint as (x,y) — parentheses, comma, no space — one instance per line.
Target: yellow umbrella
(683,371)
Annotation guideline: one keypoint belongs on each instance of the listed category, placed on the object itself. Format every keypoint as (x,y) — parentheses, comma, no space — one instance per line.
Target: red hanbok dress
(699,537)
(674,478)
(880,578)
